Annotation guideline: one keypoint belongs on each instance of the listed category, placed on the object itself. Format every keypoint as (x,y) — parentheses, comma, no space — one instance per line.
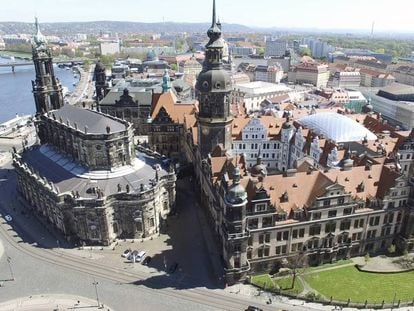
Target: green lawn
(349,282)
(16,54)
(328,265)
(268,283)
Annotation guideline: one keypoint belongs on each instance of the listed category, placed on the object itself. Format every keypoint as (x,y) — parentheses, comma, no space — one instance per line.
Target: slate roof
(67,182)
(95,121)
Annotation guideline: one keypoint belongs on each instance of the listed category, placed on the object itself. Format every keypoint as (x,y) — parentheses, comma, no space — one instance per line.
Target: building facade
(346,79)
(309,73)
(109,47)
(270,74)
(252,94)
(275,48)
(131,101)
(373,78)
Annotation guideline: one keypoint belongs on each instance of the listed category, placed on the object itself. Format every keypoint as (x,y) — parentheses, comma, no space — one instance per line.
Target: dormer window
(298,214)
(280,216)
(285,197)
(361,187)
(260,207)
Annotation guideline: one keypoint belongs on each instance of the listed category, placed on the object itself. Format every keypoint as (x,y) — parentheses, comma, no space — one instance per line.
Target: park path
(329,268)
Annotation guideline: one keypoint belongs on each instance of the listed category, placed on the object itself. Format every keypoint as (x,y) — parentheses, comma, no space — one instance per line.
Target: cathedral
(85,177)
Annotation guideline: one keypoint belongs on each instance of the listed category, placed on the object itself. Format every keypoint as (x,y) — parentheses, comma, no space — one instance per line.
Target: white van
(140,256)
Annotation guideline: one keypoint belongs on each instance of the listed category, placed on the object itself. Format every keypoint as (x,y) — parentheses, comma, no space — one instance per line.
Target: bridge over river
(13,65)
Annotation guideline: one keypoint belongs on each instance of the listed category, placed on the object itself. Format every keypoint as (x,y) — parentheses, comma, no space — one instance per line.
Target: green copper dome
(39,38)
(236,193)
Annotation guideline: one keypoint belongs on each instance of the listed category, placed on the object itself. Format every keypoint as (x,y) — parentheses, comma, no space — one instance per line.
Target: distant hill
(114,26)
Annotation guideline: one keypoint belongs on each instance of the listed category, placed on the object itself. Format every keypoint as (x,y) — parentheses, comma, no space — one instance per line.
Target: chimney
(368,165)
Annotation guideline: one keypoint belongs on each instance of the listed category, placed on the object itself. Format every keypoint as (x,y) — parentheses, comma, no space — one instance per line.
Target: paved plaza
(52,302)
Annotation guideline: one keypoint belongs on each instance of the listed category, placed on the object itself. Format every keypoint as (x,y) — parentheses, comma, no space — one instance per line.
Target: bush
(366,258)
(391,249)
(312,296)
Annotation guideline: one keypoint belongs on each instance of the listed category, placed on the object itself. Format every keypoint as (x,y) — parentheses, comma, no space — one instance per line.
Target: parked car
(133,256)
(253,308)
(126,253)
(8,218)
(146,260)
(140,256)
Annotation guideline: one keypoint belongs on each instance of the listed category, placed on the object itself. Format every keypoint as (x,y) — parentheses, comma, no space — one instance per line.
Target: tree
(366,258)
(297,265)
(305,52)
(173,67)
(107,60)
(391,249)
(260,51)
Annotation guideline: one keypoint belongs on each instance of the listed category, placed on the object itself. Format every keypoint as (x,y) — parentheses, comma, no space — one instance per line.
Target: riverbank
(18,55)
(16,88)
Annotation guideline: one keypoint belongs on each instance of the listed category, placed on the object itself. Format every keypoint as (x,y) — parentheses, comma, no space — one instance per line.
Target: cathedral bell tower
(214,89)
(47,90)
(101,86)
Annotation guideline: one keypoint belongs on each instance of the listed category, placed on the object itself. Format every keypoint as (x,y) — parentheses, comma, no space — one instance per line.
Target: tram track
(103,271)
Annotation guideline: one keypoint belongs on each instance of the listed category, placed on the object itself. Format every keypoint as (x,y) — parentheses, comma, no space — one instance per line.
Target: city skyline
(297,14)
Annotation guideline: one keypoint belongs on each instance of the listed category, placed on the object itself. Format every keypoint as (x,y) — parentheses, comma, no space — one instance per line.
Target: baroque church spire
(39,39)
(46,88)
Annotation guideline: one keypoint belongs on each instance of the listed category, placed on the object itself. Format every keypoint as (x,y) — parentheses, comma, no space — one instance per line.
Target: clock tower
(214,89)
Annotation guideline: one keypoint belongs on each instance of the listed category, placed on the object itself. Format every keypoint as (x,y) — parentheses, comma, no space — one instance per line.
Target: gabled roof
(177,111)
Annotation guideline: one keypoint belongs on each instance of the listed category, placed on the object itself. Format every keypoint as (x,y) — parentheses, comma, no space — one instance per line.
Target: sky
(389,15)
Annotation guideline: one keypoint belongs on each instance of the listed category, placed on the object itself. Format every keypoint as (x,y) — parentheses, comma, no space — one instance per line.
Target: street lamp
(96,291)
(10,267)
(393,301)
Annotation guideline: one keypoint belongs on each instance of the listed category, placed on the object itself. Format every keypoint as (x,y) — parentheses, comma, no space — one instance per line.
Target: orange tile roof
(177,112)
(304,188)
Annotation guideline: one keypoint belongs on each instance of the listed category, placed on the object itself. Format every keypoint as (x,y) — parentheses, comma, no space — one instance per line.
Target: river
(16,89)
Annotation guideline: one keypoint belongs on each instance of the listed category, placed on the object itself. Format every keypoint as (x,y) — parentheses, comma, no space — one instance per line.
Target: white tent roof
(336,127)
